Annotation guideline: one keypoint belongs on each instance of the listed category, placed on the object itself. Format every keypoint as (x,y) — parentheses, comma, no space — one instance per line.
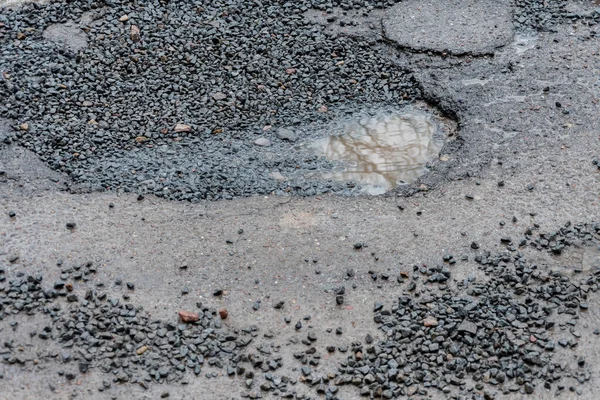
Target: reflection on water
(381,152)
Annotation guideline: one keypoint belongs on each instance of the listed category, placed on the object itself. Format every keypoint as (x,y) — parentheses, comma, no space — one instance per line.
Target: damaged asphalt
(522,90)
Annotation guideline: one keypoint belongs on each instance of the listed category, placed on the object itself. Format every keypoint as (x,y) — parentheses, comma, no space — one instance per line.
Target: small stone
(164,395)
(468,327)
(223,313)
(218,292)
(12,214)
(412,390)
(134,33)
(188,316)
(528,388)
(298,325)
(430,321)
(130,285)
(474,245)
(141,350)
(287,135)
(277,176)
(124,18)
(279,305)
(71,225)
(263,142)
(179,128)
(218,96)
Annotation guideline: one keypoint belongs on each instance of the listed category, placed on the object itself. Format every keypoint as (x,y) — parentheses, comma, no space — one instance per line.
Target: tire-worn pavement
(528,114)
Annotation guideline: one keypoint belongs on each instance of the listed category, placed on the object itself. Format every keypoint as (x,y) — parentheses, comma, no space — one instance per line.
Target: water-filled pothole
(382,150)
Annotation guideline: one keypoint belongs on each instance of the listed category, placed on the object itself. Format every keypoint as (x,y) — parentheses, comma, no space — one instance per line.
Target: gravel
(118,97)
(135,105)
(497,333)
(119,338)
(541,15)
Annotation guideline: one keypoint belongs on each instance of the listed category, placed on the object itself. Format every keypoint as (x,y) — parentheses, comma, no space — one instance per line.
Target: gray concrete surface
(510,129)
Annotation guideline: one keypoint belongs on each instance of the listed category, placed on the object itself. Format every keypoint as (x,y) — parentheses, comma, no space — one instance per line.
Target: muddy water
(381,152)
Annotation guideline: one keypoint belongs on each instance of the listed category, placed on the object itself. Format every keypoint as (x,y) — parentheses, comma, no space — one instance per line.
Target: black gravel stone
(497,331)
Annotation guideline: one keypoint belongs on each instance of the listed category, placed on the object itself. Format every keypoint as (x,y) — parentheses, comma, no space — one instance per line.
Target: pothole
(383,149)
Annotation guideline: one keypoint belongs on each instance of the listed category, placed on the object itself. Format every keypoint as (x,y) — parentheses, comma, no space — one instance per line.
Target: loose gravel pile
(193,100)
(107,333)
(475,338)
(185,100)
(543,15)
(484,337)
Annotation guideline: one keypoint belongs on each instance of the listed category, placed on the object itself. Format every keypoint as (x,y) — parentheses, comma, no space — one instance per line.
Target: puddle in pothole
(381,151)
